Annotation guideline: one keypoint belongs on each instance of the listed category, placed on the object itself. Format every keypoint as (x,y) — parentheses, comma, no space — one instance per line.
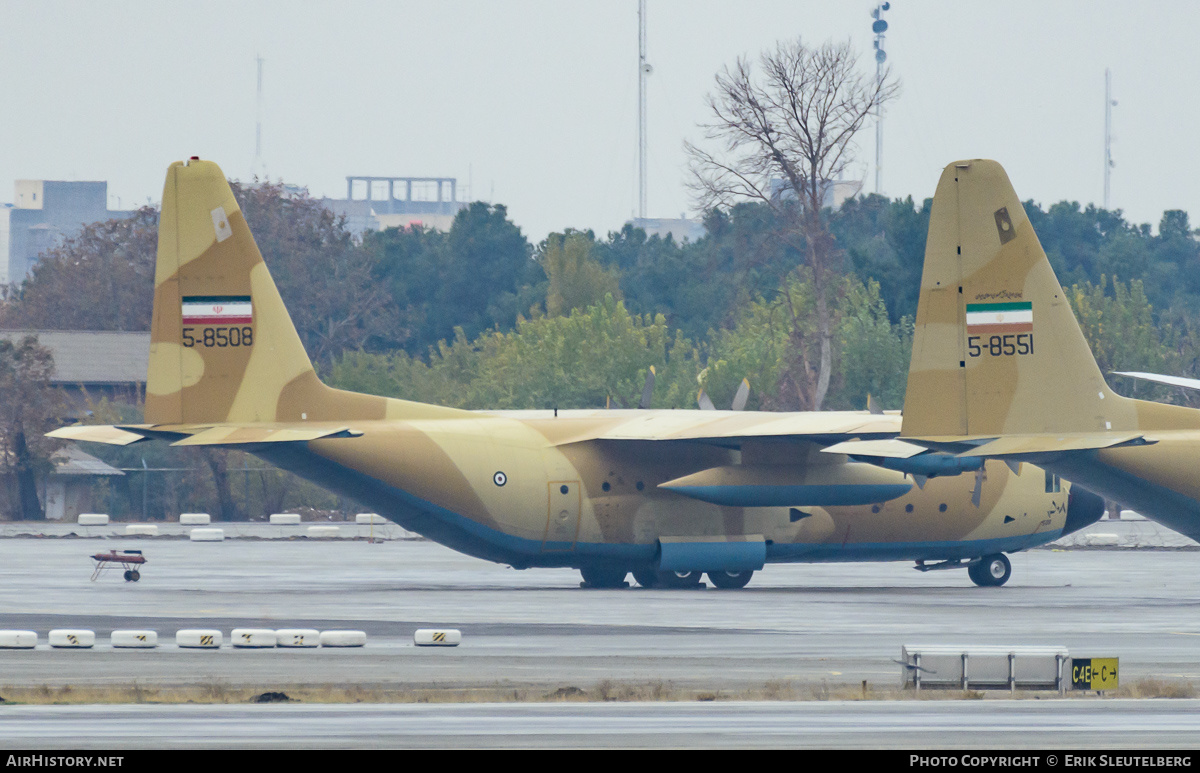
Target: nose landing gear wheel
(991,571)
(730,580)
(604,577)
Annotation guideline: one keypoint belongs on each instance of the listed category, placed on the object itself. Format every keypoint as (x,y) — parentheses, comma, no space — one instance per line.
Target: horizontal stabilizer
(97,433)
(249,435)
(1179,381)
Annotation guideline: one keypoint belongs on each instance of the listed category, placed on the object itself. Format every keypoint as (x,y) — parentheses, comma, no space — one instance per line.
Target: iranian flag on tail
(988,318)
(217,310)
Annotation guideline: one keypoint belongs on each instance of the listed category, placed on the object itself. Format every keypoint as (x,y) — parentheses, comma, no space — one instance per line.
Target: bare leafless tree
(782,132)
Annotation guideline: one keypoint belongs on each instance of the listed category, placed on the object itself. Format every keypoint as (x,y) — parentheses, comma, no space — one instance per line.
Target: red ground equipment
(129,559)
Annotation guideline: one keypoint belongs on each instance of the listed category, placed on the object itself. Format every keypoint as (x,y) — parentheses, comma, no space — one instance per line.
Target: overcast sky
(534,103)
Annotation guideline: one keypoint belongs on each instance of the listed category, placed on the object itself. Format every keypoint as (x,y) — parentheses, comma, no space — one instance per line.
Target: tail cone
(1083,509)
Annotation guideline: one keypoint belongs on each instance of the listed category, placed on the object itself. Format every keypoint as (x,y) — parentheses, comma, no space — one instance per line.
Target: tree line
(813,305)
(479,317)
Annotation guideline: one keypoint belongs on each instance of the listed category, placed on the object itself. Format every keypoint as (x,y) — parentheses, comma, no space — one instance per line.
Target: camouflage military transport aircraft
(667,495)
(1001,369)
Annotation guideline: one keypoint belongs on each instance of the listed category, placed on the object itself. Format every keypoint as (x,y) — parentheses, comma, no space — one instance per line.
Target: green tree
(577,280)
(578,360)
(1119,326)
(478,275)
(782,132)
(873,353)
(100,279)
(29,407)
(324,278)
(742,248)
(773,344)
(884,242)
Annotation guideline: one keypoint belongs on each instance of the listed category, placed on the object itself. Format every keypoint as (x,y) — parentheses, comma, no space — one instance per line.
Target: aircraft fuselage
(521,492)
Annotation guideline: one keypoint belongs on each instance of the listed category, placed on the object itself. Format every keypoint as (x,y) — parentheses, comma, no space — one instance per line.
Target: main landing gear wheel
(680,579)
(730,580)
(991,571)
(128,575)
(647,578)
(604,577)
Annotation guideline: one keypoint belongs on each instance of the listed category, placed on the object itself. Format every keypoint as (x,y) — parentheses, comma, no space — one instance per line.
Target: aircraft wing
(1017,445)
(203,435)
(999,447)
(890,448)
(732,427)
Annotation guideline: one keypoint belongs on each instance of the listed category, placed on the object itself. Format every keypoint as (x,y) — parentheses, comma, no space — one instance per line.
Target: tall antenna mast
(879,26)
(644,69)
(1109,103)
(258,166)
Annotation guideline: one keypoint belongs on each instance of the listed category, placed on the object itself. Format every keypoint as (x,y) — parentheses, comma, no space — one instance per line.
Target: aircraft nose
(1083,509)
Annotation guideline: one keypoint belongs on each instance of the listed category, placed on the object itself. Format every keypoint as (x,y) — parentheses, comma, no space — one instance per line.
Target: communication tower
(258,167)
(1109,103)
(879,27)
(644,70)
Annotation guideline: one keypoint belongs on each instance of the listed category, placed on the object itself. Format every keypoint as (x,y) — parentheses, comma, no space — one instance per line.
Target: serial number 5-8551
(218,336)
(1000,346)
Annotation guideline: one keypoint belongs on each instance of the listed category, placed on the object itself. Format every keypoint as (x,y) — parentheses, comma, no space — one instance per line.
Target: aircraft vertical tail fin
(997,349)
(223,348)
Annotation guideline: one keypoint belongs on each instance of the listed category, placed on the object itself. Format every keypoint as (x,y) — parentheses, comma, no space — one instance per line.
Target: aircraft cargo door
(562,515)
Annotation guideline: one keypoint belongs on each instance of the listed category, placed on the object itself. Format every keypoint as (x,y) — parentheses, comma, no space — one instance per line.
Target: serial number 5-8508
(1000,346)
(218,336)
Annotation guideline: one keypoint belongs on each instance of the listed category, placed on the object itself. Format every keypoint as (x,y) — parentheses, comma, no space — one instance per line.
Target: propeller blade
(648,390)
(705,402)
(920,480)
(743,394)
(873,405)
(1014,466)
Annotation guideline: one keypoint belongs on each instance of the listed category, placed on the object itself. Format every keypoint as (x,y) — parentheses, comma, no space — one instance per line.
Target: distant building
(376,203)
(89,364)
(70,488)
(42,213)
(679,229)
(833,192)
